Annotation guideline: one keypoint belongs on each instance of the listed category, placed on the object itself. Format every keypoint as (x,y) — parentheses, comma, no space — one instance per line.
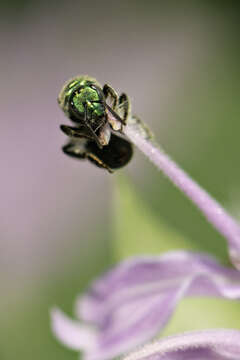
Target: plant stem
(212,210)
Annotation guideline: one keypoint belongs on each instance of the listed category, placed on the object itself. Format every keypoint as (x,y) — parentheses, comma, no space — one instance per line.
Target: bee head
(79,95)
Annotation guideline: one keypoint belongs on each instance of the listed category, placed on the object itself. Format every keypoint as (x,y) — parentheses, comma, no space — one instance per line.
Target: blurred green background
(64,222)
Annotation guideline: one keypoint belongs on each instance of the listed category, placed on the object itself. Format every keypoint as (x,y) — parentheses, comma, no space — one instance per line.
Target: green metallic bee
(98,124)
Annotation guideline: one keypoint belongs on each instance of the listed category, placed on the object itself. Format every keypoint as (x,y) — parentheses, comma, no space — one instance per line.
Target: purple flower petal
(143,277)
(133,302)
(71,333)
(199,345)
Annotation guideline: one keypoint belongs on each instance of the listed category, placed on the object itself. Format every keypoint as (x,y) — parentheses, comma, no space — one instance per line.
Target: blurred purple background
(178,63)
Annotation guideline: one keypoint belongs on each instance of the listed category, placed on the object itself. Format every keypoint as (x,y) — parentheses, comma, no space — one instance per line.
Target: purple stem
(223,342)
(212,210)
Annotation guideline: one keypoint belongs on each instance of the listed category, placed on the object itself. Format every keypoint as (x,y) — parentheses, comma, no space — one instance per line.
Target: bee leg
(141,128)
(113,116)
(108,91)
(75,132)
(93,158)
(90,128)
(124,107)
